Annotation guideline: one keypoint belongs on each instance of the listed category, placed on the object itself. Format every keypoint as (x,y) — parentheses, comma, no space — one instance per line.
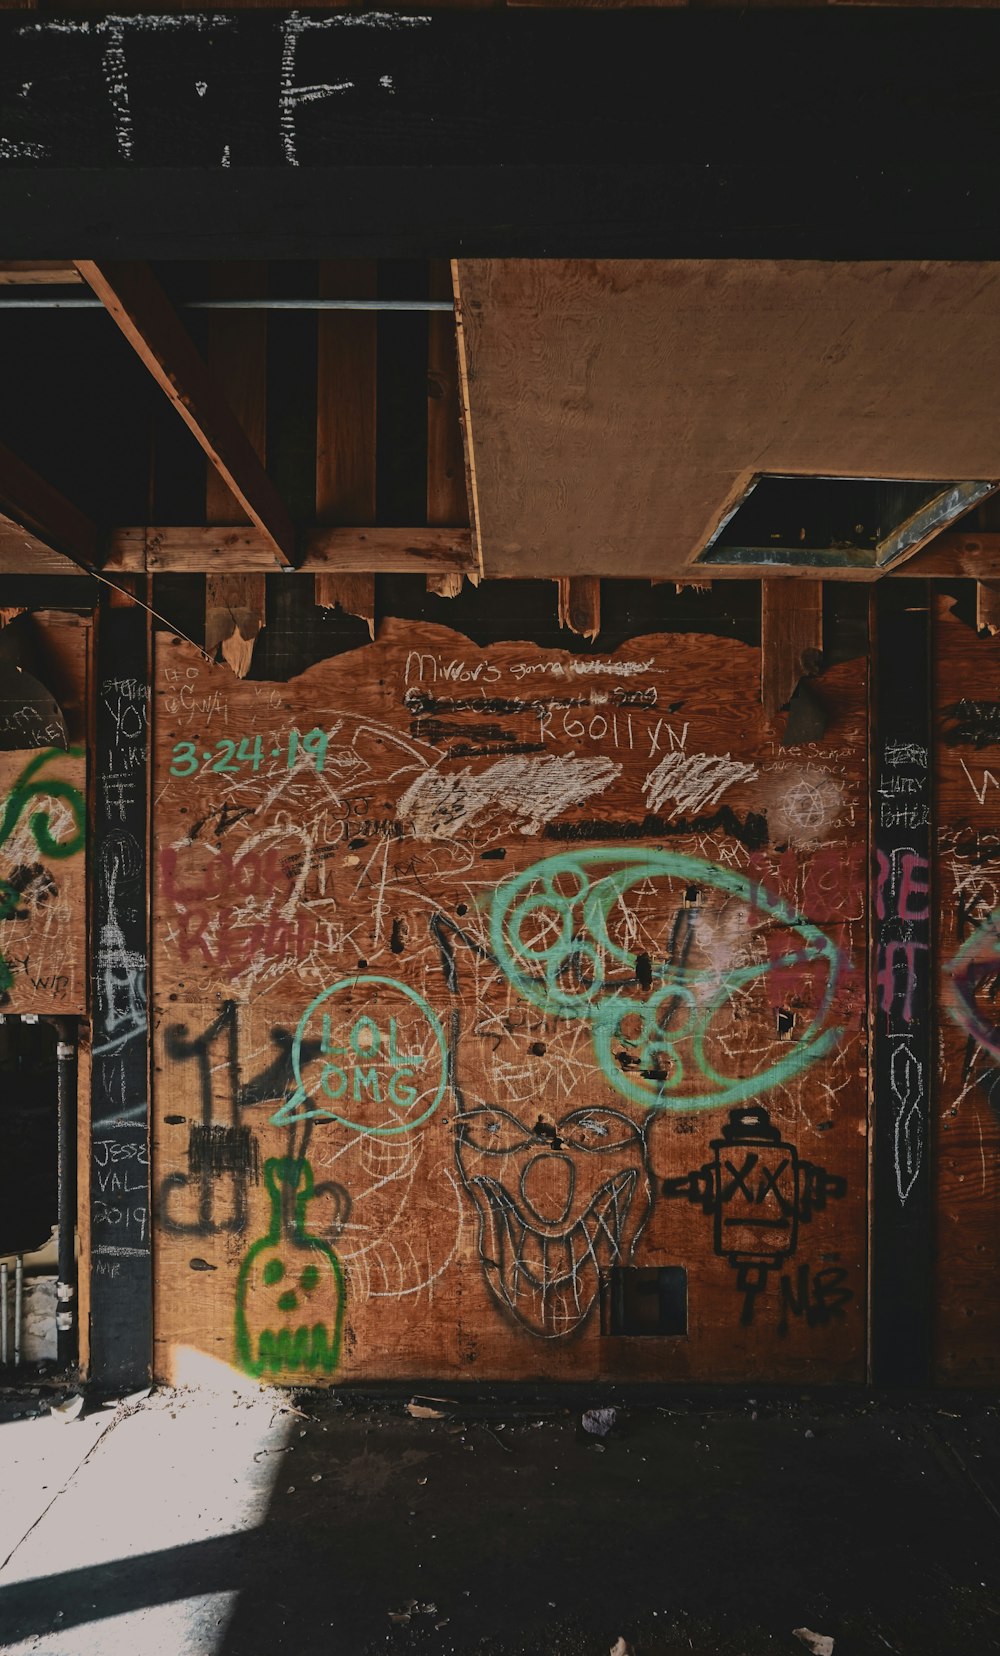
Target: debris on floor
(429,1408)
(599,1422)
(820,1644)
(70,1409)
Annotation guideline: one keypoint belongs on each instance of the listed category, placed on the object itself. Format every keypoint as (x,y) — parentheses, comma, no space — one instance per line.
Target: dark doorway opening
(29,1196)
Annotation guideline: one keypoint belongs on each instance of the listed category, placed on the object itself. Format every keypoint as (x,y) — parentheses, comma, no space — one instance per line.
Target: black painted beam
(121,1256)
(902,1052)
(663,132)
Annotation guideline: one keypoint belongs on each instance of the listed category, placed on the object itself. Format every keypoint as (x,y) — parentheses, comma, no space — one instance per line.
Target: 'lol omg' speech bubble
(370,1054)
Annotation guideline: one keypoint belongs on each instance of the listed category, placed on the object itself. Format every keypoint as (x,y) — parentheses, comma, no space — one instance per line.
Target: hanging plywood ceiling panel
(619,408)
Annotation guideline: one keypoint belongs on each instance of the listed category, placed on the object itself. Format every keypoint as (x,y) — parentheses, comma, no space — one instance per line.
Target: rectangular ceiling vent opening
(837,522)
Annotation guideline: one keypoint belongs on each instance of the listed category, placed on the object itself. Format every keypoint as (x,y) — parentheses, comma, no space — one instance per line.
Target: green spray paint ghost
(290,1291)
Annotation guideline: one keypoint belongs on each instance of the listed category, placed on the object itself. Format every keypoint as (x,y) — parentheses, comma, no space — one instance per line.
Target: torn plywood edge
(465,413)
(791,638)
(354,594)
(234,615)
(447,500)
(580,604)
(445,586)
(449,584)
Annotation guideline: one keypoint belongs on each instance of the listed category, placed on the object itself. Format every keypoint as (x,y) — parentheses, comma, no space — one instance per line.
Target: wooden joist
(387,551)
(137,303)
(32,504)
(38,273)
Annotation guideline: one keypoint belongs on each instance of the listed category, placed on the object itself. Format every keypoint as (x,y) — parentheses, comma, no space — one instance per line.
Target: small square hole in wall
(648,1299)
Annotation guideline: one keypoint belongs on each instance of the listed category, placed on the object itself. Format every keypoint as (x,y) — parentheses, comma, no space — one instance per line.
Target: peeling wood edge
(466,413)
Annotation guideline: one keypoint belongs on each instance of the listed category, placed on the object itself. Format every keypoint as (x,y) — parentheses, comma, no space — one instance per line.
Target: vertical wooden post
(902,1052)
(791,628)
(235,605)
(345,424)
(121,1327)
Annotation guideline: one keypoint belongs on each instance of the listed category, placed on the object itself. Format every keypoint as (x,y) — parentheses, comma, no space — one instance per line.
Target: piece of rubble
(598,1422)
(69,1409)
(820,1644)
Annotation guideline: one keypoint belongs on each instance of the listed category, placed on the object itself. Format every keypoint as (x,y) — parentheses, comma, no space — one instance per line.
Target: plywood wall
(967,883)
(481,974)
(43,822)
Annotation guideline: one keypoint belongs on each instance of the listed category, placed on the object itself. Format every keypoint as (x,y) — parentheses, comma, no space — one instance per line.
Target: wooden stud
(345,396)
(236,605)
(236,355)
(31,503)
(447,501)
(345,425)
(580,604)
(791,627)
(137,303)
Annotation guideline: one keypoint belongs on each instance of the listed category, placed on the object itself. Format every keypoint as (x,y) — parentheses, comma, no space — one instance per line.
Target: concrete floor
(214,1523)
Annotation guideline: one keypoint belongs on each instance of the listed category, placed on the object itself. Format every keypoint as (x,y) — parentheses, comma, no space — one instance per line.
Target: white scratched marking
(532,791)
(291,96)
(13,151)
(988,779)
(692,781)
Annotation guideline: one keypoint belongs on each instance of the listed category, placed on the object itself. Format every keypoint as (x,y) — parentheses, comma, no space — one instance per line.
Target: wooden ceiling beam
(38,273)
(335,551)
(137,303)
(33,505)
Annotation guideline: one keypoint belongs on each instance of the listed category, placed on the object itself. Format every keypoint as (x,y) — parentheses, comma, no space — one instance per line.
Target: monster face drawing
(290,1293)
(558,1204)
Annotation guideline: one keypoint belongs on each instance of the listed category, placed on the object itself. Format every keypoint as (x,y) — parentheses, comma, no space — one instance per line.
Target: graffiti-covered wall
(508,1015)
(44,670)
